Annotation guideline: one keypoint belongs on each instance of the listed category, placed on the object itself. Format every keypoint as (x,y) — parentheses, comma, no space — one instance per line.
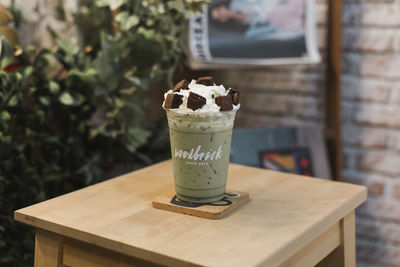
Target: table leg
(48,249)
(345,254)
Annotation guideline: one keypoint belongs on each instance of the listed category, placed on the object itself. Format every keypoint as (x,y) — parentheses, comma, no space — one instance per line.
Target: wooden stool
(290,220)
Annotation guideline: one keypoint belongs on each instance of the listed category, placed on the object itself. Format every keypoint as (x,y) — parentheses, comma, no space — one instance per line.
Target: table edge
(126,249)
(315,230)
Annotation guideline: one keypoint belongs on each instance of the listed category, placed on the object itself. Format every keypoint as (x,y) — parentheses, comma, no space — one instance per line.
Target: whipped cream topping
(209,92)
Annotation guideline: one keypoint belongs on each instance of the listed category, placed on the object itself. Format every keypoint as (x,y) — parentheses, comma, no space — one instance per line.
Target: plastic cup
(200,148)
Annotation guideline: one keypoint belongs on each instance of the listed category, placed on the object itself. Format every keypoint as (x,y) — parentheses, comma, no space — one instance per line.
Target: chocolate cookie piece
(235,95)
(181,85)
(208,81)
(225,102)
(173,101)
(195,101)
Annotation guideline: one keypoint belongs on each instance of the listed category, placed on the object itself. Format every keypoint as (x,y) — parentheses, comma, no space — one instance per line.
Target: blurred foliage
(76,114)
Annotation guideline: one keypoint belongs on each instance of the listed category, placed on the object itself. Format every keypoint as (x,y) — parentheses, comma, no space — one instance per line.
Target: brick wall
(371,129)
(370,114)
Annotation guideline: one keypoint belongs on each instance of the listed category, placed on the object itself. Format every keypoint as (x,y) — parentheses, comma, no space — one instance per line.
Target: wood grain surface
(285,212)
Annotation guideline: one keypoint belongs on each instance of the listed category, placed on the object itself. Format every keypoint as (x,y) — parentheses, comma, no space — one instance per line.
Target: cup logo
(198,154)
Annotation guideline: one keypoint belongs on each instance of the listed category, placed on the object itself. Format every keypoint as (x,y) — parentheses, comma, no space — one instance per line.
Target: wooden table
(290,220)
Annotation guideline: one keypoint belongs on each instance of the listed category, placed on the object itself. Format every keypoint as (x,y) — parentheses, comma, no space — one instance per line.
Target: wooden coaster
(215,210)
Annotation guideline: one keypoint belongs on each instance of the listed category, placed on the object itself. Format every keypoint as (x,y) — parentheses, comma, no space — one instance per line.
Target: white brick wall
(364,136)
(395,95)
(394,140)
(372,65)
(383,115)
(371,136)
(383,162)
(374,40)
(381,66)
(396,44)
(371,14)
(368,90)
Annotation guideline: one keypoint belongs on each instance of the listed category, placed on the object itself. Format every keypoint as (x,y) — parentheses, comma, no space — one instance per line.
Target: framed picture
(254,32)
(295,160)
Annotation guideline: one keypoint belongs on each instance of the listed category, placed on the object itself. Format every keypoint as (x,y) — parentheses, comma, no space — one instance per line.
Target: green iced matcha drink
(200,119)
(200,147)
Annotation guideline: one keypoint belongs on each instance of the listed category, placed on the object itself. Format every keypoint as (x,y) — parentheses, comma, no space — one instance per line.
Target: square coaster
(215,210)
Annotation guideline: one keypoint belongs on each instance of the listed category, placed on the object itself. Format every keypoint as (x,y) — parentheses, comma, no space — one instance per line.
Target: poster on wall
(229,33)
(295,160)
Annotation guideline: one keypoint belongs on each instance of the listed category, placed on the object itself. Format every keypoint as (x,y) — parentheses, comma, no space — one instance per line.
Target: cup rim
(176,111)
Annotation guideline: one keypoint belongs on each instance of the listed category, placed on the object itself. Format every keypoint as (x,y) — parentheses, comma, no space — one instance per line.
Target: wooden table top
(285,212)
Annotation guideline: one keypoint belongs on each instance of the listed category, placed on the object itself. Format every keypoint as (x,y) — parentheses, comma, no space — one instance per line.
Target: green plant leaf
(6,53)
(70,46)
(127,21)
(45,100)
(176,4)
(5,116)
(66,99)
(28,71)
(88,76)
(13,101)
(54,87)
(112,4)
(148,33)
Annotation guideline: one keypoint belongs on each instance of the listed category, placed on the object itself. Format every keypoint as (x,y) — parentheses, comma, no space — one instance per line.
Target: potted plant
(75,114)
